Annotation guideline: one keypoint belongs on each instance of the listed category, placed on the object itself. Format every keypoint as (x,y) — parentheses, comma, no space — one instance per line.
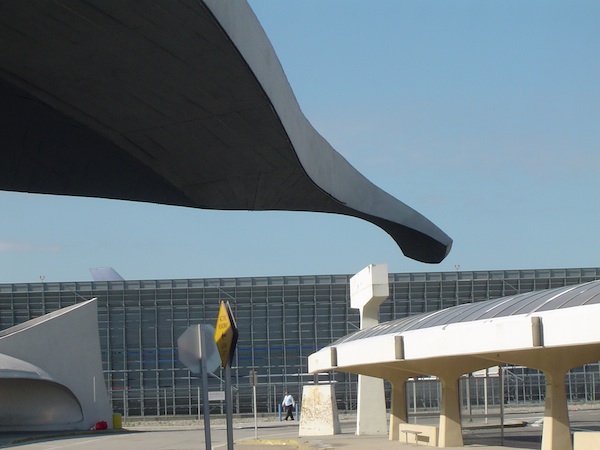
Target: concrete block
(586,440)
(370,285)
(319,414)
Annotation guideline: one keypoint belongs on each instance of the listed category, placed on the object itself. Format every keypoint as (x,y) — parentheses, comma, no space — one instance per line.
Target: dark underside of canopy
(152,102)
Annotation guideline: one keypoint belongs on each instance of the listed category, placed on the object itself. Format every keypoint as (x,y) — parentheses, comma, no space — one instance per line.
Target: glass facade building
(281,321)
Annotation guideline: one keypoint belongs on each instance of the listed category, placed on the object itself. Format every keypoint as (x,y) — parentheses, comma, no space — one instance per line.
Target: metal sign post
(198,351)
(205,405)
(253,383)
(229,407)
(226,336)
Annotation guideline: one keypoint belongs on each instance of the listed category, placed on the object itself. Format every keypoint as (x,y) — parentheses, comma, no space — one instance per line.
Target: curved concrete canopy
(518,305)
(553,331)
(31,398)
(17,368)
(487,332)
(182,103)
(29,404)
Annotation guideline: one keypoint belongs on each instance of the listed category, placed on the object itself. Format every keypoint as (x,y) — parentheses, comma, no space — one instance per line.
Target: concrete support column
(450,424)
(371,415)
(398,412)
(368,289)
(556,434)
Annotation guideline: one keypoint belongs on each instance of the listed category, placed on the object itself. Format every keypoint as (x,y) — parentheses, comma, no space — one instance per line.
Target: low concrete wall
(419,434)
(586,440)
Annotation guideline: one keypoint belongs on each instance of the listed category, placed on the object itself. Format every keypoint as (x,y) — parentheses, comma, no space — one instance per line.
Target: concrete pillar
(450,434)
(319,411)
(556,434)
(368,289)
(398,412)
(371,414)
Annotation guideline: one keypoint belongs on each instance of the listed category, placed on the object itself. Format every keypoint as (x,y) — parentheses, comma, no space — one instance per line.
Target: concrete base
(586,440)
(319,415)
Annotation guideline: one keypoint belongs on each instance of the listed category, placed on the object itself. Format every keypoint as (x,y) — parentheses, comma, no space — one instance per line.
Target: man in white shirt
(288,403)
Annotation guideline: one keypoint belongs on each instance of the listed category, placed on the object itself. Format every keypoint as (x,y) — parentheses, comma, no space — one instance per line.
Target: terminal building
(281,321)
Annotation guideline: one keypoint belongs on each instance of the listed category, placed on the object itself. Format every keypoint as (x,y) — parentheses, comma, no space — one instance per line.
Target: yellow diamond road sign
(226,333)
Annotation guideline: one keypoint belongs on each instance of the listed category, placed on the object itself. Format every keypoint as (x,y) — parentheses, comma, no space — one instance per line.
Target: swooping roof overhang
(180,103)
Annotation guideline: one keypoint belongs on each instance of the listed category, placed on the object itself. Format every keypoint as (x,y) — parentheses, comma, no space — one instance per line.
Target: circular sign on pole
(190,349)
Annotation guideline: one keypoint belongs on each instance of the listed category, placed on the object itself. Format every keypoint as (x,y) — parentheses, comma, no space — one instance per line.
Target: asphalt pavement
(524,432)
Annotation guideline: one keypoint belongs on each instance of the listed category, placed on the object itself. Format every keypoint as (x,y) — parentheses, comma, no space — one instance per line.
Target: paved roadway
(284,435)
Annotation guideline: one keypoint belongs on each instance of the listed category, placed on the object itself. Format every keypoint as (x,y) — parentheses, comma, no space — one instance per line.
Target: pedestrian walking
(288,404)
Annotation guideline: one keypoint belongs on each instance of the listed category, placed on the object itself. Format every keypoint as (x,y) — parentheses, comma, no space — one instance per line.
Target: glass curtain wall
(281,321)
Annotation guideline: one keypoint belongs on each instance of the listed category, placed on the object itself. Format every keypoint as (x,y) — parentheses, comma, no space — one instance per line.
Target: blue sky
(483,116)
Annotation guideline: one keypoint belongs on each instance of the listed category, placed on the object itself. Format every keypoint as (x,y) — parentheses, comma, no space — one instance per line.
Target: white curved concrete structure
(51,372)
(553,331)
